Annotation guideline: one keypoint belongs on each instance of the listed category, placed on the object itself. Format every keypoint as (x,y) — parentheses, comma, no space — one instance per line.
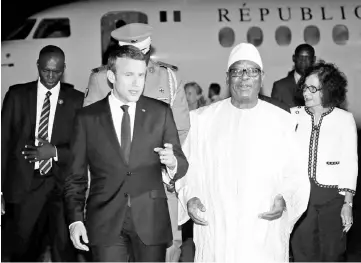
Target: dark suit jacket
(287,91)
(95,143)
(275,102)
(18,122)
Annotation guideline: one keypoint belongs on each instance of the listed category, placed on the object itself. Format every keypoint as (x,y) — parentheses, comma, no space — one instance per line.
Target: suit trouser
(40,214)
(318,235)
(174,251)
(129,244)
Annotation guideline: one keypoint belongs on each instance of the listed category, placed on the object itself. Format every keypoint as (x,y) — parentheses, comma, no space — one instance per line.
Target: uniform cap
(245,51)
(135,34)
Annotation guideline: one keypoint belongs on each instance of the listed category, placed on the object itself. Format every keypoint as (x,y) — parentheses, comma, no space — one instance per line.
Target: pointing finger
(158,149)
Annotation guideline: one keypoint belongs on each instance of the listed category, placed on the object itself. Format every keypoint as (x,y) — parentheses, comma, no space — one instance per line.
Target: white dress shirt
(42,90)
(117,116)
(297,77)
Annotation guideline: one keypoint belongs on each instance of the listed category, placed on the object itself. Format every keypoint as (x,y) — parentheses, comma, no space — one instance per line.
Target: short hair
(50,49)
(305,47)
(198,88)
(215,87)
(333,83)
(126,51)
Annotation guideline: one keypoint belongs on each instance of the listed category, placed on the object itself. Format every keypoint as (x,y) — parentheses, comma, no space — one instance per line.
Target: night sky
(14,12)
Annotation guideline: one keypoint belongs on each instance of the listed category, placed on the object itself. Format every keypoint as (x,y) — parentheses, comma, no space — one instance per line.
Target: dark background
(14,12)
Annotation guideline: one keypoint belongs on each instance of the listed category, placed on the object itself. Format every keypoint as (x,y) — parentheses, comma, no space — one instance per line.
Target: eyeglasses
(311,88)
(251,72)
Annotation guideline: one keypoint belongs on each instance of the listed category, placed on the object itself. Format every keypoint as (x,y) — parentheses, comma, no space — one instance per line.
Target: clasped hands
(44,151)
(194,205)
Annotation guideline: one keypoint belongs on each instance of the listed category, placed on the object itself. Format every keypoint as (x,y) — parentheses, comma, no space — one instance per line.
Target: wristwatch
(348,203)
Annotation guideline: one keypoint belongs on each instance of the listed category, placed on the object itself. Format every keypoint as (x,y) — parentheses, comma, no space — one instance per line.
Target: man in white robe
(242,188)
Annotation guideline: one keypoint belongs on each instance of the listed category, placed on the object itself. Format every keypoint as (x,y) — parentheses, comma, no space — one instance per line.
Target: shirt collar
(43,90)
(297,76)
(119,103)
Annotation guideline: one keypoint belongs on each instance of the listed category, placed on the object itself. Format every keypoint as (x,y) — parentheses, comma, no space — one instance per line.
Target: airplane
(194,35)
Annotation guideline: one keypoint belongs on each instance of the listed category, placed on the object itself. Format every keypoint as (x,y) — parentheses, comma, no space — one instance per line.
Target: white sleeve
(186,187)
(295,186)
(349,158)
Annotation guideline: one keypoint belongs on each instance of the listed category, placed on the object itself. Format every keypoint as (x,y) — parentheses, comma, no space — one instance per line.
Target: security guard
(161,83)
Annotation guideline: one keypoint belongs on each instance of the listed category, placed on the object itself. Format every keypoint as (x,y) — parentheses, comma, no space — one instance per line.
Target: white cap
(245,51)
(135,34)
(144,45)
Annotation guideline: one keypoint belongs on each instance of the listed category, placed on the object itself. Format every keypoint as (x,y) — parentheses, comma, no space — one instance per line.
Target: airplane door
(113,20)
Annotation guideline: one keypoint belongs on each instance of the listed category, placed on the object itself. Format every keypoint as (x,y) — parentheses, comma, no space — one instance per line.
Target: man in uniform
(162,84)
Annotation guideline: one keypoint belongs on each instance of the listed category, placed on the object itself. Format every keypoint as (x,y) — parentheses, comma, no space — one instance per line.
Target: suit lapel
(140,114)
(60,113)
(32,102)
(108,124)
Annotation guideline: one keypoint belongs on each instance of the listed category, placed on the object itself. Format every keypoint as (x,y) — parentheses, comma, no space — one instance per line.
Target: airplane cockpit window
(283,36)
(53,28)
(340,34)
(255,36)
(226,37)
(23,31)
(311,35)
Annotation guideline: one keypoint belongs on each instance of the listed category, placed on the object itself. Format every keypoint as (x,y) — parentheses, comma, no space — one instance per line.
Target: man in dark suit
(36,126)
(286,90)
(120,138)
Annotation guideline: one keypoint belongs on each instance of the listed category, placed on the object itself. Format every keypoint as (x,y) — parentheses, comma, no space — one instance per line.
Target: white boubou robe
(239,160)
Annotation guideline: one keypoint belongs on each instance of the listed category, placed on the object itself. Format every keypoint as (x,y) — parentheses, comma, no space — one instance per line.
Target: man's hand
(170,186)
(78,230)
(279,205)
(346,216)
(44,151)
(2,205)
(193,205)
(166,155)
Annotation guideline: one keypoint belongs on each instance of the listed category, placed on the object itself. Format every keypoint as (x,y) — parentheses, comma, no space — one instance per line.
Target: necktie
(125,133)
(44,165)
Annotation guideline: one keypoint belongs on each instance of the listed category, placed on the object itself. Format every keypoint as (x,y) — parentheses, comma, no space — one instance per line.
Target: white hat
(245,51)
(135,34)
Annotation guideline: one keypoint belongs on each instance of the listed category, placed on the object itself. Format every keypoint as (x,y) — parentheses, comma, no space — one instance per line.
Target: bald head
(305,47)
(51,66)
(52,50)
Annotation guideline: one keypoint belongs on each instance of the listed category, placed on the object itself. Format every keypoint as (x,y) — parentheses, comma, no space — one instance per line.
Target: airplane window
(163,16)
(53,28)
(311,34)
(283,36)
(255,36)
(23,31)
(340,34)
(177,16)
(226,37)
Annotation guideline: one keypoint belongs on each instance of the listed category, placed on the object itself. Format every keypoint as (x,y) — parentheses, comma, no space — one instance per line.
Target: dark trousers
(39,218)
(318,235)
(129,247)
(188,248)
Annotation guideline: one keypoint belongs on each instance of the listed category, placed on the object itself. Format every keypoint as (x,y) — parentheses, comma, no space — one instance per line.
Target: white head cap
(245,51)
